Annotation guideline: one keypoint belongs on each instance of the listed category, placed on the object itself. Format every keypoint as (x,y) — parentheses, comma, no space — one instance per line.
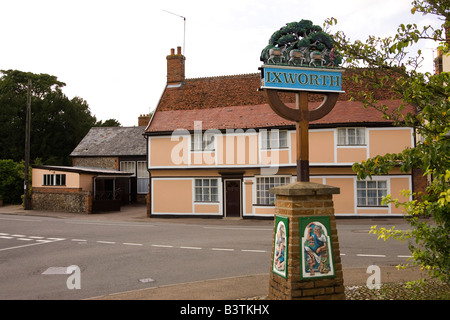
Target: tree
(108,123)
(11,181)
(57,123)
(385,63)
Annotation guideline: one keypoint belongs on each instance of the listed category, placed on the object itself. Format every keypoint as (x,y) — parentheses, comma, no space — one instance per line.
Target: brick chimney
(143,120)
(175,67)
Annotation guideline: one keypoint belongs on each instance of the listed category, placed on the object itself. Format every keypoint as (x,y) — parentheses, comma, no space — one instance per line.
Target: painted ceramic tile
(316,248)
(279,265)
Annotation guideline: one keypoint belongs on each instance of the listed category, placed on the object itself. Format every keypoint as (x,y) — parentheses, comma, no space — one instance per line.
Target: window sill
(351,145)
(381,207)
(53,185)
(206,202)
(271,149)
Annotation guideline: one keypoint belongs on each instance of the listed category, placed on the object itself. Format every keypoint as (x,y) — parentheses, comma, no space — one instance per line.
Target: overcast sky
(113,53)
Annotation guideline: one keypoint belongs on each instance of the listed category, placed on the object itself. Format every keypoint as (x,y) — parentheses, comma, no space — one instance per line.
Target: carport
(110,192)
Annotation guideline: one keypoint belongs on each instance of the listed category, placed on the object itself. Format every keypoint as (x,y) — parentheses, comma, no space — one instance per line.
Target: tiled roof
(231,102)
(112,141)
(262,116)
(213,92)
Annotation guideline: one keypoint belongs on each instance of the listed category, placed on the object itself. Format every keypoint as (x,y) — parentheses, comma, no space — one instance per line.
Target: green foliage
(11,181)
(387,65)
(57,123)
(108,123)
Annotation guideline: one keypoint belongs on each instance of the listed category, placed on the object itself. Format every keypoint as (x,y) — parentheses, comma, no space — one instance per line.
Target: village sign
(301,58)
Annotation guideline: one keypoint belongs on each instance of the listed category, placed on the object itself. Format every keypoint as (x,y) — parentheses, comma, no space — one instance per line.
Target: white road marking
(111,224)
(17,219)
(239,228)
(372,255)
(22,237)
(25,245)
(43,240)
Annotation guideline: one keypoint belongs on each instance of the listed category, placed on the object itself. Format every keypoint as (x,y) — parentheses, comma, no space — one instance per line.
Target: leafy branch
(384,63)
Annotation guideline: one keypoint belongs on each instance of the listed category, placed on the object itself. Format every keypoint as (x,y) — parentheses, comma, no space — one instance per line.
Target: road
(117,256)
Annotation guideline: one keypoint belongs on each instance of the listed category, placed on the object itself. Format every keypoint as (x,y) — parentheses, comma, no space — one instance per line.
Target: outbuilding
(117,148)
(78,189)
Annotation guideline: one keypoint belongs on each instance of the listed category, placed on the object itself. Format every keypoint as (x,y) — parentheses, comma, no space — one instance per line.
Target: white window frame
(203,142)
(274,139)
(142,177)
(206,190)
(125,166)
(369,193)
(351,136)
(52,179)
(264,184)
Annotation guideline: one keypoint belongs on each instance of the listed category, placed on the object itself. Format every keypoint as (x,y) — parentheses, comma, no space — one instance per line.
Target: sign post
(301,58)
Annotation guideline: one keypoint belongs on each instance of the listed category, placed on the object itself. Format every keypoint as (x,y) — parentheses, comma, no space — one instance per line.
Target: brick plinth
(305,199)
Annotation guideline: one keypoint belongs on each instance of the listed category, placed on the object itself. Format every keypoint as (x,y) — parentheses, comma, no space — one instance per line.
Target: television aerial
(184,35)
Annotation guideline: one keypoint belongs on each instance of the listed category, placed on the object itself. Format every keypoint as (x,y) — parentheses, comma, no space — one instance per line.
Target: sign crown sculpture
(301,44)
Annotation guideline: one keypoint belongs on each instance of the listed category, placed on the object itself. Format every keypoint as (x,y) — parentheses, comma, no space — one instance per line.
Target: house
(77,189)
(215,148)
(117,148)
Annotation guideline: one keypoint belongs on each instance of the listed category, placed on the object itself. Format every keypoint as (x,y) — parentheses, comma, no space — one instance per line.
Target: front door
(232,198)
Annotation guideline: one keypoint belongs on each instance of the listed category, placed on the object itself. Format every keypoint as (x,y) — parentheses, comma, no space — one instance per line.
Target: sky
(112,53)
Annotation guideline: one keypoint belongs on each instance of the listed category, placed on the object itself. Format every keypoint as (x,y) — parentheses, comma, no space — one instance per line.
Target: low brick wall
(62,199)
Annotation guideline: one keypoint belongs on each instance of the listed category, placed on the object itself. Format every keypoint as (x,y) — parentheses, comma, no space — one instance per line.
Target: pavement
(254,286)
